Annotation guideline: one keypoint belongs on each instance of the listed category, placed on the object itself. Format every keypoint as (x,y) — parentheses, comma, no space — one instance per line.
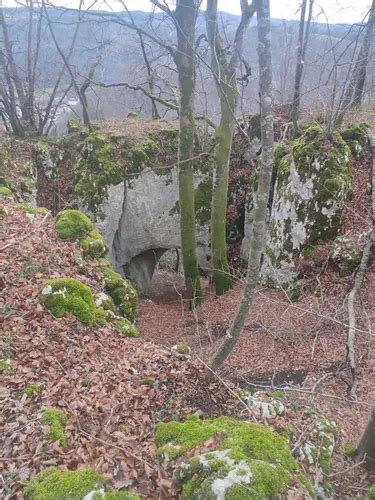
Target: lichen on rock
(74,225)
(316,450)
(62,296)
(312,186)
(250,461)
(57,421)
(345,254)
(266,405)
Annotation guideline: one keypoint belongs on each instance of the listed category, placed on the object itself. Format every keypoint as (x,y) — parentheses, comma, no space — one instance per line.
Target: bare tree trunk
(364,59)
(226,85)
(303,36)
(258,237)
(366,445)
(354,91)
(185,19)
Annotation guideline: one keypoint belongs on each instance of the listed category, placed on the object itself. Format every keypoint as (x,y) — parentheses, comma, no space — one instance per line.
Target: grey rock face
(311,189)
(142,222)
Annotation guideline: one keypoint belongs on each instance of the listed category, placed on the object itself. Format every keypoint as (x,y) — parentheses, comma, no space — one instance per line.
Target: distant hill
(122,61)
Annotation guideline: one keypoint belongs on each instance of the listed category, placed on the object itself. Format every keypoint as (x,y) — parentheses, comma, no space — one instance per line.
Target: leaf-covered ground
(95,376)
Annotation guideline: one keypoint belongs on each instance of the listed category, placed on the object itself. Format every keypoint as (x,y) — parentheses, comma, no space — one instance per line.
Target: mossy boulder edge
(250,461)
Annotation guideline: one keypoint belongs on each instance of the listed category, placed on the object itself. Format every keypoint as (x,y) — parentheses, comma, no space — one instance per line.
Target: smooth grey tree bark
(258,236)
(366,445)
(355,88)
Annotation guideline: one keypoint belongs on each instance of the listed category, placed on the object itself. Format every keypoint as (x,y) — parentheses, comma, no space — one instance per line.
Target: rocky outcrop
(141,222)
(313,183)
(139,216)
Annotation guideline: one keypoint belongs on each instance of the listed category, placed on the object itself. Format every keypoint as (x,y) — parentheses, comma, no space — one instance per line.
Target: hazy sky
(338,11)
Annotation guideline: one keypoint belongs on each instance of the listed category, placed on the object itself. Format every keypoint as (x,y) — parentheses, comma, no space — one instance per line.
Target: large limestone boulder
(147,225)
(313,183)
(130,186)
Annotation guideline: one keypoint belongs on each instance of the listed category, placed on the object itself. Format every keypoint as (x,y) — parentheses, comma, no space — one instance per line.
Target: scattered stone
(265,405)
(181,350)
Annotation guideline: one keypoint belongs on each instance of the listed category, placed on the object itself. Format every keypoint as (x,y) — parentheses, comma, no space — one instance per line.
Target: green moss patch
(74,225)
(53,484)
(371,492)
(62,296)
(33,389)
(122,293)
(57,421)
(250,461)
(4,191)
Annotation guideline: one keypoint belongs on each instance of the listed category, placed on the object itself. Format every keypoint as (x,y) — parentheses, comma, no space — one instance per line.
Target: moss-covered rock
(250,461)
(62,296)
(356,138)
(53,484)
(122,293)
(57,421)
(345,254)
(74,225)
(4,191)
(124,327)
(371,492)
(96,170)
(313,184)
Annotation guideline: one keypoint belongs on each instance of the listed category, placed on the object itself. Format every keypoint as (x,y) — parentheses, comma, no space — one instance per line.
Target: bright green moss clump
(74,225)
(371,492)
(122,293)
(57,420)
(250,462)
(64,296)
(4,191)
(53,484)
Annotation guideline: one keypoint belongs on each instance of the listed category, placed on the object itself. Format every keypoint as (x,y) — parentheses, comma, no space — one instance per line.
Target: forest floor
(298,347)
(102,381)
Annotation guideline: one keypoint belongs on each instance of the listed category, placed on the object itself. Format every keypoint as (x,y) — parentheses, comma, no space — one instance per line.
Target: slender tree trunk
(354,92)
(226,85)
(258,237)
(185,18)
(303,35)
(366,445)
(364,59)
